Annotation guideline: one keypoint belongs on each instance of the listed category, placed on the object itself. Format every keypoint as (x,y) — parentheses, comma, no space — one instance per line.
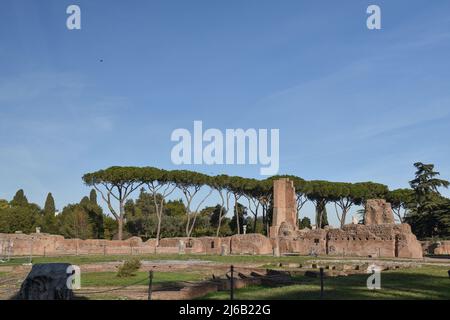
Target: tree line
(244,203)
(83,220)
(422,205)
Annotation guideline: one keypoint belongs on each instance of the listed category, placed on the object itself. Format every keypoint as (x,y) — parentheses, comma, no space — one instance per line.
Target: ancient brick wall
(353,240)
(438,247)
(357,240)
(41,244)
(443,247)
(305,242)
(250,244)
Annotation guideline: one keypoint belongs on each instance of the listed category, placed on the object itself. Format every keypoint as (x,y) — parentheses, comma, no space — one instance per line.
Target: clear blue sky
(351,104)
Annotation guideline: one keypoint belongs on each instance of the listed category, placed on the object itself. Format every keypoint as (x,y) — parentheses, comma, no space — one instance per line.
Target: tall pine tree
(430,215)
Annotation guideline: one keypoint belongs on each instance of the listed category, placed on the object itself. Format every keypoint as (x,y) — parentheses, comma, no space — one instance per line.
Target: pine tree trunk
(120,227)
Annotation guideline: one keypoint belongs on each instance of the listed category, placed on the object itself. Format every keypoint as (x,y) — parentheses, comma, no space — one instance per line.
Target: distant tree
(141,215)
(301,194)
(49,219)
(95,217)
(93,197)
(321,214)
(401,201)
(175,208)
(252,193)
(20,218)
(219,183)
(215,215)
(19,215)
(117,183)
(190,183)
(237,186)
(49,207)
(4,204)
(203,225)
(319,193)
(425,184)
(265,196)
(160,186)
(109,227)
(429,217)
(19,199)
(305,223)
(74,222)
(241,212)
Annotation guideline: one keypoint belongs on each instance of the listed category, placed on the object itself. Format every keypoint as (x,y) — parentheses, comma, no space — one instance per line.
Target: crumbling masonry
(379,236)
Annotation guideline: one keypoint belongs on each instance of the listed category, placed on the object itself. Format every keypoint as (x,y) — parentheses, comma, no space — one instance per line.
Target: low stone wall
(436,247)
(41,244)
(305,242)
(253,244)
(387,240)
(443,247)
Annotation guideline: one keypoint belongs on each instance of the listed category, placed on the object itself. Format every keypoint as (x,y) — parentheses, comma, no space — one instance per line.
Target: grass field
(93,279)
(420,283)
(79,260)
(427,282)
(85,259)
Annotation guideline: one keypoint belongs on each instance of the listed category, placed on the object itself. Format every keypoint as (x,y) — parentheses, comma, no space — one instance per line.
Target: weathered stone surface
(284,218)
(305,242)
(378,211)
(46,282)
(250,244)
(386,240)
(441,248)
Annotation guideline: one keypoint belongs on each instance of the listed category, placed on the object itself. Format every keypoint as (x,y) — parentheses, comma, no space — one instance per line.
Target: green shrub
(129,268)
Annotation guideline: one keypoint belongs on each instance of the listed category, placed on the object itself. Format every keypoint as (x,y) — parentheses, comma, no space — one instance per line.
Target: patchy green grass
(100,279)
(421,283)
(269,261)
(3,274)
(79,260)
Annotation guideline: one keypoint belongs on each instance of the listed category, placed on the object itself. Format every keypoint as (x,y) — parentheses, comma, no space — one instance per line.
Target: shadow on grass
(408,284)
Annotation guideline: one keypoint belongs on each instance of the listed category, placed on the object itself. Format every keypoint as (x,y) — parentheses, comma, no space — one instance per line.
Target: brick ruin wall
(41,244)
(437,247)
(353,240)
(379,236)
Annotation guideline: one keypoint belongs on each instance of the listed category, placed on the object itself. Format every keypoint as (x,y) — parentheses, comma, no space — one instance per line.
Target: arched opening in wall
(212,244)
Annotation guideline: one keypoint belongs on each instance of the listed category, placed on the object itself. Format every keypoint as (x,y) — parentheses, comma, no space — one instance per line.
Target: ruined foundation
(378,237)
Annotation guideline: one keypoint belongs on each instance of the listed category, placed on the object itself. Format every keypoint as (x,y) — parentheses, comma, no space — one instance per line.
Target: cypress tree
(19,199)
(49,207)
(93,197)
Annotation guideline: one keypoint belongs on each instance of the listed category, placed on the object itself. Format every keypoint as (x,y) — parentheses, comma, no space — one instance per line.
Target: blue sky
(351,104)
